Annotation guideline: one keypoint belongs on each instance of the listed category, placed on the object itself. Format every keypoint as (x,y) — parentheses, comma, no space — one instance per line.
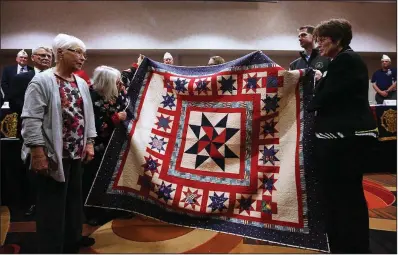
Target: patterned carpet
(144,235)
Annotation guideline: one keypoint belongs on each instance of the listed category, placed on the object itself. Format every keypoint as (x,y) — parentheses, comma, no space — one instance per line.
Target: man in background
(384,81)
(9,72)
(168,59)
(42,60)
(215,60)
(310,57)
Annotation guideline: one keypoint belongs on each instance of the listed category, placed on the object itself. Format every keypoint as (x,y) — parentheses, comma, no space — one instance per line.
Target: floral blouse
(72,117)
(106,116)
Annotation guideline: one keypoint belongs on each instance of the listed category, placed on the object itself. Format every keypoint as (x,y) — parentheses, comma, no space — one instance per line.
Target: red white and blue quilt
(215,147)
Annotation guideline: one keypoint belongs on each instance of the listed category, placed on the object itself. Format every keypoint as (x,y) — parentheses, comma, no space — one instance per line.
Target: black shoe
(86,241)
(31,210)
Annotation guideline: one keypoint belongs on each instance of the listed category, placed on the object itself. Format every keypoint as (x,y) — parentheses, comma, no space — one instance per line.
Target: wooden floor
(144,235)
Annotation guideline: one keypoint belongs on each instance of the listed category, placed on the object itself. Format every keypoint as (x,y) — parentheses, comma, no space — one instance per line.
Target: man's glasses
(44,56)
(78,52)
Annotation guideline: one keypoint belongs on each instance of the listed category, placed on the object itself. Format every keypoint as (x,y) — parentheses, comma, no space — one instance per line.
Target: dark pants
(391,96)
(29,184)
(59,210)
(341,163)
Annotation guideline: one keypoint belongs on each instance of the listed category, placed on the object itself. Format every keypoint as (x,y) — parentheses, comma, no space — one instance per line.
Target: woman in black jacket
(345,131)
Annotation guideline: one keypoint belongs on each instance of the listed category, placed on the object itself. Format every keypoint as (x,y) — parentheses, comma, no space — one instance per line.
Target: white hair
(385,58)
(48,49)
(64,41)
(167,55)
(22,53)
(104,81)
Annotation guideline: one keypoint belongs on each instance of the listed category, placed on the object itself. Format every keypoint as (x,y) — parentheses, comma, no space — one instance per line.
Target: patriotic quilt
(218,148)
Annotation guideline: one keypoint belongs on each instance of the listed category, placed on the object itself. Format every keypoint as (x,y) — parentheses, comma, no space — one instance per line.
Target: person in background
(9,72)
(42,59)
(58,130)
(384,81)
(109,98)
(168,59)
(82,74)
(345,132)
(215,60)
(128,74)
(310,57)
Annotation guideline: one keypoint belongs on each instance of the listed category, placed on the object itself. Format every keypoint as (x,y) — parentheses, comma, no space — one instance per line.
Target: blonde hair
(104,81)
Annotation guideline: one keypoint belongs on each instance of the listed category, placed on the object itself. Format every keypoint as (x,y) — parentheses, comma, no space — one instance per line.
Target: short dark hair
(309,28)
(336,29)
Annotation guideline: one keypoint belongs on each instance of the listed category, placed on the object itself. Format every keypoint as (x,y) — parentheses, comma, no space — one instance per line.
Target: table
(385,152)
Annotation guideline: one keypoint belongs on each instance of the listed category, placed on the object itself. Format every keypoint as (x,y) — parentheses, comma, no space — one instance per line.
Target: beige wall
(191,25)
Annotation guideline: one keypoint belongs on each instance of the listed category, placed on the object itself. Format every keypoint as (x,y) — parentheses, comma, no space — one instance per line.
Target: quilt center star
(210,141)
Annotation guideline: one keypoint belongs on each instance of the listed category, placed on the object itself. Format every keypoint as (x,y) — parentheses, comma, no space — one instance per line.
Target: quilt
(218,148)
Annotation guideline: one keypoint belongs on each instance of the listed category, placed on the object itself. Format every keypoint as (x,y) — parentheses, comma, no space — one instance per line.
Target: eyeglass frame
(83,54)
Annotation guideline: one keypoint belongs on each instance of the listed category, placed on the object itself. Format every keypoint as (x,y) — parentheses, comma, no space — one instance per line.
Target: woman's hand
(122,115)
(318,75)
(39,160)
(89,151)
(140,58)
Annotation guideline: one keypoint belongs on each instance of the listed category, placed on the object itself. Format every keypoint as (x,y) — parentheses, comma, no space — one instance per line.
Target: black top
(316,61)
(17,90)
(9,72)
(341,97)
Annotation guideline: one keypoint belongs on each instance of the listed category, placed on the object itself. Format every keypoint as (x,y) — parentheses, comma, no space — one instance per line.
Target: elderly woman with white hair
(59,131)
(109,98)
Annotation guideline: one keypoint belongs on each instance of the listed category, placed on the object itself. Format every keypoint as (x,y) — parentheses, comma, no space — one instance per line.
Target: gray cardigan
(42,118)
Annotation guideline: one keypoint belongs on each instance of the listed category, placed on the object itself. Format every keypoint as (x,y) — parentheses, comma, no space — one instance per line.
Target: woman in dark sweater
(345,131)
(109,98)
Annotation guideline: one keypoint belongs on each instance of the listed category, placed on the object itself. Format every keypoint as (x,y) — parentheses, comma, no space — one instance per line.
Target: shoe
(31,210)
(86,241)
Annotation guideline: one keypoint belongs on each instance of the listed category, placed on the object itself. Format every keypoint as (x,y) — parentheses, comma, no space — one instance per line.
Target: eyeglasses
(44,55)
(78,52)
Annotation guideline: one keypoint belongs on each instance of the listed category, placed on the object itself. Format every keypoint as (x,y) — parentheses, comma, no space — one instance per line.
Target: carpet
(217,148)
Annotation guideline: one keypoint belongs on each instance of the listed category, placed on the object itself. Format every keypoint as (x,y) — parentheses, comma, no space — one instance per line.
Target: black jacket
(17,90)
(316,61)
(341,97)
(8,74)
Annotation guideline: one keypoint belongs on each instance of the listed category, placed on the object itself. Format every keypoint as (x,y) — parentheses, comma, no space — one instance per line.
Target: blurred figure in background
(168,59)
(42,60)
(9,72)
(82,74)
(109,98)
(216,60)
(384,81)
